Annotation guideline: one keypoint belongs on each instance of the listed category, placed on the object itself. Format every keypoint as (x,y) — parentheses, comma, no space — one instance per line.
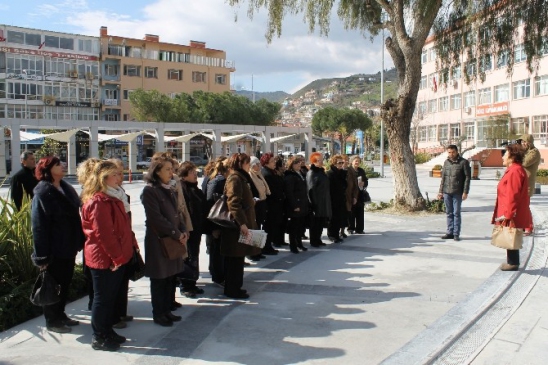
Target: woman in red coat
(512,199)
(109,246)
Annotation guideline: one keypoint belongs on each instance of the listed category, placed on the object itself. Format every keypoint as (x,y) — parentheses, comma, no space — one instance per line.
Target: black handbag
(190,269)
(366,197)
(136,269)
(46,291)
(220,215)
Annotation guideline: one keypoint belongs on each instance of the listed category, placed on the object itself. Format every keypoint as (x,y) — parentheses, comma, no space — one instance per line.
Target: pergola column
(71,155)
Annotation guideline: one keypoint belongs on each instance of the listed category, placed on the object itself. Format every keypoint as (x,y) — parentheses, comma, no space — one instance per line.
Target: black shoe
(359,232)
(255,257)
(163,321)
(189,293)
(304,237)
(276,245)
(351,231)
(294,250)
(70,322)
(344,235)
(173,317)
(247,264)
(338,240)
(239,295)
(456,238)
(315,245)
(270,251)
(104,344)
(447,236)
(59,328)
(175,305)
(116,338)
(198,290)
(285,244)
(219,283)
(126,318)
(332,239)
(302,248)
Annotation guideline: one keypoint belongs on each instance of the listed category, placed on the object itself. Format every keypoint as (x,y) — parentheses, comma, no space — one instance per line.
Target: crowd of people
(261,193)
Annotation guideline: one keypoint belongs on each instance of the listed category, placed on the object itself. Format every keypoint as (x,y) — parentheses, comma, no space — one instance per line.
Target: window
(220,79)
(184,57)
(115,50)
(541,85)
(111,94)
(131,70)
(111,117)
(444,104)
(443,133)
(151,72)
(484,96)
(424,56)
(471,67)
(66,43)
(455,130)
(52,41)
(151,55)
(455,101)
(432,104)
(522,89)
(502,93)
(422,109)
(168,56)
(432,78)
(469,99)
(84,45)
(423,82)
(111,70)
(127,93)
(423,134)
(540,127)
(33,39)
(432,133)
(175,75)
(198,76)
(470,128)
(519,126)
(502,59)
(486,63)
(432,54)
(519,53)
(456,73)
(134,52)
(16,37)
(444,76)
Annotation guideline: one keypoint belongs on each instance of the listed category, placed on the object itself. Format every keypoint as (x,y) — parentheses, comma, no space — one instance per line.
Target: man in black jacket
(24,180)
(454,187)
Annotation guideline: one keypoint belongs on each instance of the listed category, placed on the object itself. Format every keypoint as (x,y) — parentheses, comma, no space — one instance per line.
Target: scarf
(254,190)
(119,194)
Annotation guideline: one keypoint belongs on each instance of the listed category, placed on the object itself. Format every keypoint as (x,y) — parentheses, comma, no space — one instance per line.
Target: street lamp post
(382,100)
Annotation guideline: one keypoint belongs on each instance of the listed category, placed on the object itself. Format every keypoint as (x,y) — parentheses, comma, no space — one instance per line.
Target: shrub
(422,157)
(437,167)
(542,173)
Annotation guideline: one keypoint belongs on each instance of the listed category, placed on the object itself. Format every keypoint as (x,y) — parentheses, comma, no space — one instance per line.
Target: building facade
(481,114)
(128,64)
(48,75)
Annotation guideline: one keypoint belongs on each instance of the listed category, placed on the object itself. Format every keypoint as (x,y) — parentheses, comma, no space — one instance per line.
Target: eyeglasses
(340,163)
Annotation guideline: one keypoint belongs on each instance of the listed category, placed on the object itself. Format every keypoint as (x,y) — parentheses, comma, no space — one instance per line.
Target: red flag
(435,88)
(2,39)
(42,45)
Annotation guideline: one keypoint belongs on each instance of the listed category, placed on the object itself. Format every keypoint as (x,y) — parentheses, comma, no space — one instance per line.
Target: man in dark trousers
(454,188)
(24,180)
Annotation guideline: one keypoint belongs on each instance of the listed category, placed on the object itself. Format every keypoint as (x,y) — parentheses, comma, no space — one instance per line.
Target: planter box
(436,173)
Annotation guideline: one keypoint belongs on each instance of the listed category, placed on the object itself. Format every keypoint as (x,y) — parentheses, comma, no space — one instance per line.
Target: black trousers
(193,270)
(295,226)
(62,271)
(216,260)
(316,229)
(106,288)
(357,218)
(121,298)
(512,257)
(162,293)
(234,275)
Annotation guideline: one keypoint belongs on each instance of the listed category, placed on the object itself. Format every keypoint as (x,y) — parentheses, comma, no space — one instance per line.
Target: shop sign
(37,52)
(77,104)
(493,109)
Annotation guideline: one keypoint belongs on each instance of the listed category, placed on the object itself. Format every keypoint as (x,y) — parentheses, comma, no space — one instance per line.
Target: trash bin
(476,169)
(385,160)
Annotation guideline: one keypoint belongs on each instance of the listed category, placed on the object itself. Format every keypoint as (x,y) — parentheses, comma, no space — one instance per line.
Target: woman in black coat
(58,235)
(317,185)
(337,190)
(296,203)
(274,223)
(196,204)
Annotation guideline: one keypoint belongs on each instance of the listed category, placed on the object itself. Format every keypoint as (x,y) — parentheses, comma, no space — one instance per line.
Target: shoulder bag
(507,236)
(219,214)
(46,290)
(136,268)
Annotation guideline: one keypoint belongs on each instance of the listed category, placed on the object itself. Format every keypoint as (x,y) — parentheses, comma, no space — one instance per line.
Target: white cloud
(296,53)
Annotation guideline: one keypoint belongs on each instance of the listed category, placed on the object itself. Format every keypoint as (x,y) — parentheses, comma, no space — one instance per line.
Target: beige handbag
(508,237)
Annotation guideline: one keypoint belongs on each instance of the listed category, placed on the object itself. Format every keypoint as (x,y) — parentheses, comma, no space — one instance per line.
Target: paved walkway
(397,295)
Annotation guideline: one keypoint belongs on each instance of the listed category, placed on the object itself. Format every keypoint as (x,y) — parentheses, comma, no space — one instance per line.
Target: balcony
(110,102)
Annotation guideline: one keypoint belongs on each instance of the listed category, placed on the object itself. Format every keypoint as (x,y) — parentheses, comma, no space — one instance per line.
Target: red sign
(39,52)
(493,109)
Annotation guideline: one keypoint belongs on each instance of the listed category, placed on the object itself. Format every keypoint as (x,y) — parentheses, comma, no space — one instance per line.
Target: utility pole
(252,89)
(382,98)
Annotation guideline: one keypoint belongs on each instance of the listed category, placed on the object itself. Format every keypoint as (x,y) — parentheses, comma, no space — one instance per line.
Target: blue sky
(287,64)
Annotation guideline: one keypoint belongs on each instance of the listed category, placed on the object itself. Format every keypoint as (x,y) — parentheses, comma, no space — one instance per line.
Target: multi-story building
(48,75)
(129,64)
(482,114)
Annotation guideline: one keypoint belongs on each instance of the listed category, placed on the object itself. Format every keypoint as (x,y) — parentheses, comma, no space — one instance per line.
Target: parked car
(198,161)
(144,164)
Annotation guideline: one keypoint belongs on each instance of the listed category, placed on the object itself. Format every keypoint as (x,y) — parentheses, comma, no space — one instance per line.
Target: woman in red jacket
(109,246)
(512,199)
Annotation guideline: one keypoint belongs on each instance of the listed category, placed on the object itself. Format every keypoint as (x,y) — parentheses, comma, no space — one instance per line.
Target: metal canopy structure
(282,138)
(237,137)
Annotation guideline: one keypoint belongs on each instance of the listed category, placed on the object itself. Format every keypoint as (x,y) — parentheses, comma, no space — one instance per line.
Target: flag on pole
(42,45)
(2,39)
(435,88)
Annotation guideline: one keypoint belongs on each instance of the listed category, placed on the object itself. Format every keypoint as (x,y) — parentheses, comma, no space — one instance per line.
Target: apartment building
(128,64)
(449,110)
(49,75)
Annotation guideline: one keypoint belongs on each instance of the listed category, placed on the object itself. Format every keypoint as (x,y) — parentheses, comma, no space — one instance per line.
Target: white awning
(127,137)
(187,137)
(282,138)
(62,136)
(26,136)
(237,137)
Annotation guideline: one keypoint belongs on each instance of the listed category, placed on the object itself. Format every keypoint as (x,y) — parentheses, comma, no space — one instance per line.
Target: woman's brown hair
(156,165)
(515,153)
(237,161)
